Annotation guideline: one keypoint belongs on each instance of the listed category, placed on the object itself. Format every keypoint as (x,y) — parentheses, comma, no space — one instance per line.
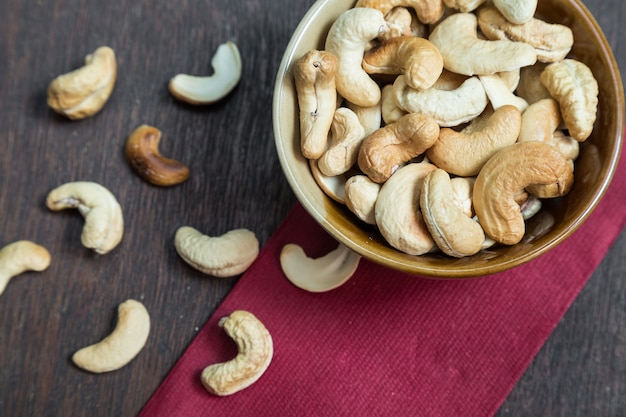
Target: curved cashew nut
(383,151)
(226,64)
(333,186)
(417,58)
(83,92)
(360,197)
(142,152)
(573,85)
(122,345)
(390,112)
(499,93)
(104,222)
(464,5)
(397,210)
(223,256)
(530,87)
(517,11)
(503,180)
(370,117)
(19,257)
(464,154)
(314,78)
(347,39)
(464,53)
(347,134)
(428,11)
(318,274)
(255,351)
(453,231)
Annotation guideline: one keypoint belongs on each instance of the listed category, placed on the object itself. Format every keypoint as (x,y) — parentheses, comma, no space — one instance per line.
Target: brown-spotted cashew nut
(201,90)
(221,256)
(463,52)
(142,152)
(464,154)
(122,345)
(314,78)
(574,86)
(503,179)
(346,134)
(551,41)
(84,92)
(428,11)
(517,11)
(19,257)
(393,145)
(397,210)
(255,351)
(318,274)
(104,221)
(347,39)
(455,233)
(360,197)
(464,6)
(417,58)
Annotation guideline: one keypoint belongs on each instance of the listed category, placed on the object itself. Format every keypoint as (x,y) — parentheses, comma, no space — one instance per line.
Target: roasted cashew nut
(142,152)
(464,6)
(200,90)
(223,256)
(428,11)
(83,92)
(255,351)
(122,345)
(104,221)
(19,257)
(318,274)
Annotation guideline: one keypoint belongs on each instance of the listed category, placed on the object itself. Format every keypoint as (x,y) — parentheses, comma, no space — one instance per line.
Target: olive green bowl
(558,219)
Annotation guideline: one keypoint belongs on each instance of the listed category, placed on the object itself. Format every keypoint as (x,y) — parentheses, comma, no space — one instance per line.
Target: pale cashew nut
(314,78)
(463,52)
(347,39)
(517,11)
(397,210)
(464,6)
(104,221)
(393,145)
(200,90)
(19,257)
(406,23)
(390,112)
(255,351)
(318,274)
(83,92)
(360,197)
(417,58)
(428,11)
(222,256)
(346,134)
(530,87)
(142,152)
(122,345)
(455,233)
(499,93)
(370,117)
(463,188)
(333,186)
(502,181)
(574,86)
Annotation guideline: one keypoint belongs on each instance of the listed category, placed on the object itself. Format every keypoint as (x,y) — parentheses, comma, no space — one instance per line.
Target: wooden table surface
(236,181)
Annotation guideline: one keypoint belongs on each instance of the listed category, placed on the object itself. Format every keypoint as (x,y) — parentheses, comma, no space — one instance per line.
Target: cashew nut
(318,274)
(104,222)
(530,87)
(370,117)
(463,52)
(19,257)
(255,351)
(360,197)
(390,112)
(502,181)
(428,11)
(314,78)
(333,186)
(517,11)
(83,92)
(199,90)
(142,152)
(455,233)
(122,345)
(499,93)
(464,5)
(346,134)
(223,256)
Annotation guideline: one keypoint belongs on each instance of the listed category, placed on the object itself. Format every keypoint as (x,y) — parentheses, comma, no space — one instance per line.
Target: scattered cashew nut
(19,257)
(255,351)
(122,345)
(199,90)
(104,221)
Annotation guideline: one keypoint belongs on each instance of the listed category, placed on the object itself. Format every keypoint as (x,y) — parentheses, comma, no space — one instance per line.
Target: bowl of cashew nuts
(449,138)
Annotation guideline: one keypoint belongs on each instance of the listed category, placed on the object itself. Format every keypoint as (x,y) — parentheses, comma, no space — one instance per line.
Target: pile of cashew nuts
(444,123)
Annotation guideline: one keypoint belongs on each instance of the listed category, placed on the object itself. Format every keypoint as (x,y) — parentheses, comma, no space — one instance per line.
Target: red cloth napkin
(388,343)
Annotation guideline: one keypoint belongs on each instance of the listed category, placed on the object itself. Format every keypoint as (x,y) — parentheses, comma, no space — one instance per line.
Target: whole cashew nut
(347,134)
(19,257)
(255,351)
(360,197)
(517,11)
(83,92)
(223,256)
(104,221)
(200,90)
(122,345)
(464,5)
(428,11)
(142,152)
(332,185)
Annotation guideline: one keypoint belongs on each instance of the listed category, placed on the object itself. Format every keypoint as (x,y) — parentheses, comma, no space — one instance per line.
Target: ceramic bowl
(559,218)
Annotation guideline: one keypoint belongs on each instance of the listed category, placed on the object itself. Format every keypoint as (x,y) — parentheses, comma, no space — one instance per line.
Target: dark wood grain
(236,181)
